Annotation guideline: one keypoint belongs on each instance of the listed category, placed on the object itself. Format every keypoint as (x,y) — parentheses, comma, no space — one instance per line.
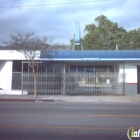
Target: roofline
(90,59)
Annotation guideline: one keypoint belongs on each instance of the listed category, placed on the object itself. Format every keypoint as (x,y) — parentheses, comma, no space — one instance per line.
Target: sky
(56,18)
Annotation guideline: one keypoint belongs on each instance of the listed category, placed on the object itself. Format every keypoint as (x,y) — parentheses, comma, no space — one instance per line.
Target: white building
(125,63)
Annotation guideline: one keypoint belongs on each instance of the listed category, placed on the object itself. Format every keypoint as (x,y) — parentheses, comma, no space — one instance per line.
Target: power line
(51,4)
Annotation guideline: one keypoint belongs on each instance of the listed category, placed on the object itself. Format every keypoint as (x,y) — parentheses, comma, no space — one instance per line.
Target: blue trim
(90,55)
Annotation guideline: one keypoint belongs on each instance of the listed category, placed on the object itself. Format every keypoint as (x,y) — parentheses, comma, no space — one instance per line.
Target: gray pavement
(65,98)
(67,121)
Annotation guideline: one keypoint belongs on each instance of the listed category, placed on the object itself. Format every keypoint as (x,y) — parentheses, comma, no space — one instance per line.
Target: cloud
(58,21)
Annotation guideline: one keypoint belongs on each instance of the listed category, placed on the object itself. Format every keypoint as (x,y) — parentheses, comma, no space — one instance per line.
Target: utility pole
(116,46)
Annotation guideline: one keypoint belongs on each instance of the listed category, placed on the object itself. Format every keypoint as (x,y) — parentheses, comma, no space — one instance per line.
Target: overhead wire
(51,4)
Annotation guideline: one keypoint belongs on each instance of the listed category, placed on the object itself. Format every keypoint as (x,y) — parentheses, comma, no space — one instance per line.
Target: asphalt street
(67,121)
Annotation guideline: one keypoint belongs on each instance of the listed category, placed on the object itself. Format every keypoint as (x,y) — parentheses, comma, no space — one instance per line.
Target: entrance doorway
(138,77)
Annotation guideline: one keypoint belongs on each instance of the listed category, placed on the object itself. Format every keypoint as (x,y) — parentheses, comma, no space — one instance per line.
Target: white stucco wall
(6,74)
(130,70)
(13,55)
(6,64)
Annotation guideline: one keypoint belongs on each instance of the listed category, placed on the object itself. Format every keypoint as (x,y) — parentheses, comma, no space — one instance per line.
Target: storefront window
(90,69)
(102,68)
(110,68)
(81,69)
(17,65)
(73,68)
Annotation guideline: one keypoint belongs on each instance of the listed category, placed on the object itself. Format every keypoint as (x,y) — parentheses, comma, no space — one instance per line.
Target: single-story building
(73,72)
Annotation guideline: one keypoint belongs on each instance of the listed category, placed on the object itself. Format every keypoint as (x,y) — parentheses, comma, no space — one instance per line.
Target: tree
(30,46)
(105,34)
(133,39)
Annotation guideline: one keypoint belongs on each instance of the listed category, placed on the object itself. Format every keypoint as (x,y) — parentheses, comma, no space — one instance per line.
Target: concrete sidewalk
(91,99)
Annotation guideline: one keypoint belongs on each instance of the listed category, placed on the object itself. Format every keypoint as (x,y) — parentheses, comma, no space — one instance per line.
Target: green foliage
(71,42)
(105,34)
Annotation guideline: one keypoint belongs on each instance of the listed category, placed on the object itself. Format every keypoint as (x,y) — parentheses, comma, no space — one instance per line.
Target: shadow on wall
(2,63)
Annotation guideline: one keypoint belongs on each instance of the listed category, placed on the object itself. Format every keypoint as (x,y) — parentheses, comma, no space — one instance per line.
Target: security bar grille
(75,83)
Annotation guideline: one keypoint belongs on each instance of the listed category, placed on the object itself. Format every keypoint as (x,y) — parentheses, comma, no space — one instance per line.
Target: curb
(28,100)
(47,100)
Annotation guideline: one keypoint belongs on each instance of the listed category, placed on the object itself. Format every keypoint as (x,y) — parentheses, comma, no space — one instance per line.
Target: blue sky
(58,21)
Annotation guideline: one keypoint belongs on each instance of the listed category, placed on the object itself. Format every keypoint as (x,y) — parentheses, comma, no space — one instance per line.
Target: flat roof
(92,55)
(13,55)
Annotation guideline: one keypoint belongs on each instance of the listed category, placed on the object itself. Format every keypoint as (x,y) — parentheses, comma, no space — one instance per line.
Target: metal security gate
(47,84)
(75,83)
(94,84)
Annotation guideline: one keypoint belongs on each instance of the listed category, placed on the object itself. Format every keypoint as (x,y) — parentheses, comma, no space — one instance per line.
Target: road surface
(67,121)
